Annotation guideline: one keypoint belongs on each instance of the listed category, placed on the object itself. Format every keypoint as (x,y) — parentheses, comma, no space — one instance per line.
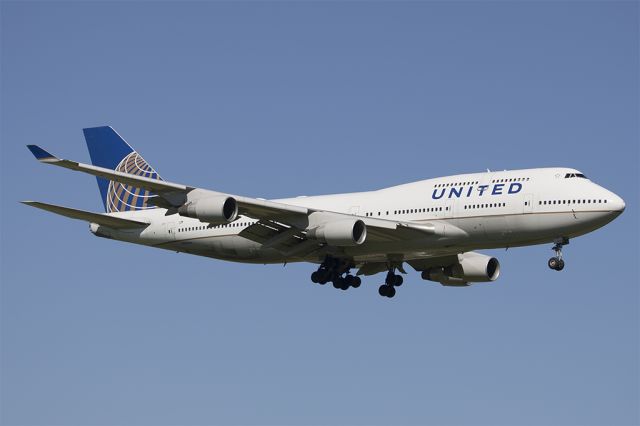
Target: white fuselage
(488,210)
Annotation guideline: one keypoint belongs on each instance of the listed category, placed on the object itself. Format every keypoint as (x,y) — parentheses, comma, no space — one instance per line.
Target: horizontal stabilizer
(126,178)
(99,218)
(39,153)
(173,193)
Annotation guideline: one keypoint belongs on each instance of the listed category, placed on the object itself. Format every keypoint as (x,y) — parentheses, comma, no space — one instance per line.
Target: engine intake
(341,233)
(470,268)
(217,210)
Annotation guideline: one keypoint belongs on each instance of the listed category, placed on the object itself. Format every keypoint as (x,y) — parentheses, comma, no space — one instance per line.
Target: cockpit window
(574,175)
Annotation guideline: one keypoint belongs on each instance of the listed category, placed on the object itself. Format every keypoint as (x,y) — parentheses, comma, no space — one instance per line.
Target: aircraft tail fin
(107,149)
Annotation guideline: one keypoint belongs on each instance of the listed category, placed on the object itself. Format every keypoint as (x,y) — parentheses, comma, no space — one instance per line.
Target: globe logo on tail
(122,197)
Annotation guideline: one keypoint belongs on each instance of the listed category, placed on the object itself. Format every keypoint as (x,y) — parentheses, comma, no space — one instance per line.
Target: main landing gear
(336,271)
(556,262)
(388,289)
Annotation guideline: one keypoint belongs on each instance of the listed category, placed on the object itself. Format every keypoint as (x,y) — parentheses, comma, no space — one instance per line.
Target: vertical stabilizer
(107,149)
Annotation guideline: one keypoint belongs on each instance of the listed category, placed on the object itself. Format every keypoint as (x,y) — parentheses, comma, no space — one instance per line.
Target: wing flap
(99,218)
(275,235)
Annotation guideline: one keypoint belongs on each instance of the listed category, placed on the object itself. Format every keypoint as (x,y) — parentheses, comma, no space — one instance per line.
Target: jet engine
(341,233)
(217,210)
(470,268)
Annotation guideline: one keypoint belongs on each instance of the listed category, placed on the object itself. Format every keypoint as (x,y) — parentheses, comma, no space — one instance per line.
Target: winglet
(40,154)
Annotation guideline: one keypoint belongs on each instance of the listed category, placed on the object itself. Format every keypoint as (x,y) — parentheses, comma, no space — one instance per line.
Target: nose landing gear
(556,263)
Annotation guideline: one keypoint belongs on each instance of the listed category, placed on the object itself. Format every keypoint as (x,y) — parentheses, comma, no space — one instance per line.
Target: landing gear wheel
(398,280)
(336,271)
(556,262)
(391,291)
(341,283)
(385,290)
(355,283)
(321,276)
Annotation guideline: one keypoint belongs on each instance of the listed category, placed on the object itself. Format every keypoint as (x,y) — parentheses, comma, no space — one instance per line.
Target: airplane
(434,225)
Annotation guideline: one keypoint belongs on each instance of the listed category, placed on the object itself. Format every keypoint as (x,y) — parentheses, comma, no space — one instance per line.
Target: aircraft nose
(617,203)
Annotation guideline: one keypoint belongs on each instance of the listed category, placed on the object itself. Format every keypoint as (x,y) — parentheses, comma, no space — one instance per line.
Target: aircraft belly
(481,232)
(497,227)
(234,248)
(473,226)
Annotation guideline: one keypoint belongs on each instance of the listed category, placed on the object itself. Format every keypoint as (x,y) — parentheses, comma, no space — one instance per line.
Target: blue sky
(278,99)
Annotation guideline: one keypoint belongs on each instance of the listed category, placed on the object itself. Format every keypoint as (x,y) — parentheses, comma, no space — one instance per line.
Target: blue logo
(122,197)
(460,191)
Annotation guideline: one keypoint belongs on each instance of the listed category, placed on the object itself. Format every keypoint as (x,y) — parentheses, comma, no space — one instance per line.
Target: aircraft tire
(391,291)
(355,283)
(382,290)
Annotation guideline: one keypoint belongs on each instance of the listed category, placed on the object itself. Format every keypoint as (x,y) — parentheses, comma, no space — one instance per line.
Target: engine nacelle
(217,209)
(341,233)
(471,268)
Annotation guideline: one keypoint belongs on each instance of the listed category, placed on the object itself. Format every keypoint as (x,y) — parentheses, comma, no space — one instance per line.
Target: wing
(99,218)
(299,218)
